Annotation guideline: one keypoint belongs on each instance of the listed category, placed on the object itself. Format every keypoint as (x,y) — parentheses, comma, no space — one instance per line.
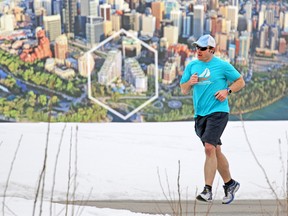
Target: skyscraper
(169,6)
(158,12)
(94,30)
(198,21)
(105,11)
(85,62)
(89,7)
(57,7)
(116,22)
(93,7)
(61,47)
(46,4)
(84,7)
(244,46)
(171,33)
(176,17)
(269,16)
(285,23)
(260,19)
(52,26)
(186,26)
(148,25)
(232,14)
(248,9)
(213,5)
(69,12)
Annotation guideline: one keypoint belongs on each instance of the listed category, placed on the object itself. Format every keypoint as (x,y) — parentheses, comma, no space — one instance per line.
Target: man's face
(204,53)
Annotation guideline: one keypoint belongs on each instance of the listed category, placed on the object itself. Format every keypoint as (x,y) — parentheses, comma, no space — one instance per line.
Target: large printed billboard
(118,61)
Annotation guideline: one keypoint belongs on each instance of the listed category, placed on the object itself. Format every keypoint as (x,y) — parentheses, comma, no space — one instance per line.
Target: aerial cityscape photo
(122,60)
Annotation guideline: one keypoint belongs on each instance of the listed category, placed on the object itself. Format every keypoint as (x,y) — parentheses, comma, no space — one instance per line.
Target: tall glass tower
(69,14)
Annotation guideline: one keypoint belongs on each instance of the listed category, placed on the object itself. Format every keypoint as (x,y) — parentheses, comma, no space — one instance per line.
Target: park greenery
(32,107)
(262,90)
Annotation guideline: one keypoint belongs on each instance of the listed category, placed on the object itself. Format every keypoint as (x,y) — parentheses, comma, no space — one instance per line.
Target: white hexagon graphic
(101,103)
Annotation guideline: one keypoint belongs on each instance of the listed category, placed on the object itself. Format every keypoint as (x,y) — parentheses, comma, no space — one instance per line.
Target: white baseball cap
(205,41)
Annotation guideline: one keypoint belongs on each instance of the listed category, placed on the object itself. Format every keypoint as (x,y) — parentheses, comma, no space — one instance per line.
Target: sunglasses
(201,48)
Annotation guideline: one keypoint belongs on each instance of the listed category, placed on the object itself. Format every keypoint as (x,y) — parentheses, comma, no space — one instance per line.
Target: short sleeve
(231,73)
(186,74)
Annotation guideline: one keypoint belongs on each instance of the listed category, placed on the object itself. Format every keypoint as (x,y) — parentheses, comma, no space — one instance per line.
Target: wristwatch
(229,90)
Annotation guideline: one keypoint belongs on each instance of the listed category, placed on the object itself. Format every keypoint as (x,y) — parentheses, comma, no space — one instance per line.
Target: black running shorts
(210,128)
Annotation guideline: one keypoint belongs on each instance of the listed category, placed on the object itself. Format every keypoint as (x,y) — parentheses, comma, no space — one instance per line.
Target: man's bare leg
(222,165)
(210,166)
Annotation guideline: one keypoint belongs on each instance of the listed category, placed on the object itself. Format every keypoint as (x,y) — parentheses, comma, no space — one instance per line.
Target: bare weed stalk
(75,167)
(43,172)
(170,202)
(179,191)
(287,176)
(55,169)
(258,163)
(176,206)
(9,174)
(79,212)
(69,174)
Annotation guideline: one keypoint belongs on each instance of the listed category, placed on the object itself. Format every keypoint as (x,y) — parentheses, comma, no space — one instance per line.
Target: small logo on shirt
(203,78)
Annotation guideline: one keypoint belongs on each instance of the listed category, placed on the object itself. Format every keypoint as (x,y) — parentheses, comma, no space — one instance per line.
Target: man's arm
(236,86)
(186,87)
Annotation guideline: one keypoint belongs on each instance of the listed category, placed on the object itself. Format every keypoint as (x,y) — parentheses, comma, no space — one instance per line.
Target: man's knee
(210,149)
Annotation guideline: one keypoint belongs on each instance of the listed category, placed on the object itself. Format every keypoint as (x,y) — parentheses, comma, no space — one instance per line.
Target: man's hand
(221,95)
(186,87)
(193,79)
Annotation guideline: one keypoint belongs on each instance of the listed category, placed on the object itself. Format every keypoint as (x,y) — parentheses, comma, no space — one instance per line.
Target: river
(275,111)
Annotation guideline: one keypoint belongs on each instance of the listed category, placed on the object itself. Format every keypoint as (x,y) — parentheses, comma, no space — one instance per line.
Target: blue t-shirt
(213,76)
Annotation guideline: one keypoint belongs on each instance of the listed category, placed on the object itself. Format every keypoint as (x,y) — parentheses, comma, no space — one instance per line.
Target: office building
(169,72)
(176,17)
(171,33)
(260,19)
(57,7)
(269,17)
(116,22)
(232,14)
(69,12)
(213,5)
(248,8)
(94,30)
(7,22)
(282,46)
(158,12)
(186,26)
(52,26)
(111,69)
(148,25)
(135,75)
(285,23)
(107,27)
(61,47)
(170,5)
(244,47)
(191,15)
(198,21)
(86,63)
(274,35)
(105,11)
(80,26)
